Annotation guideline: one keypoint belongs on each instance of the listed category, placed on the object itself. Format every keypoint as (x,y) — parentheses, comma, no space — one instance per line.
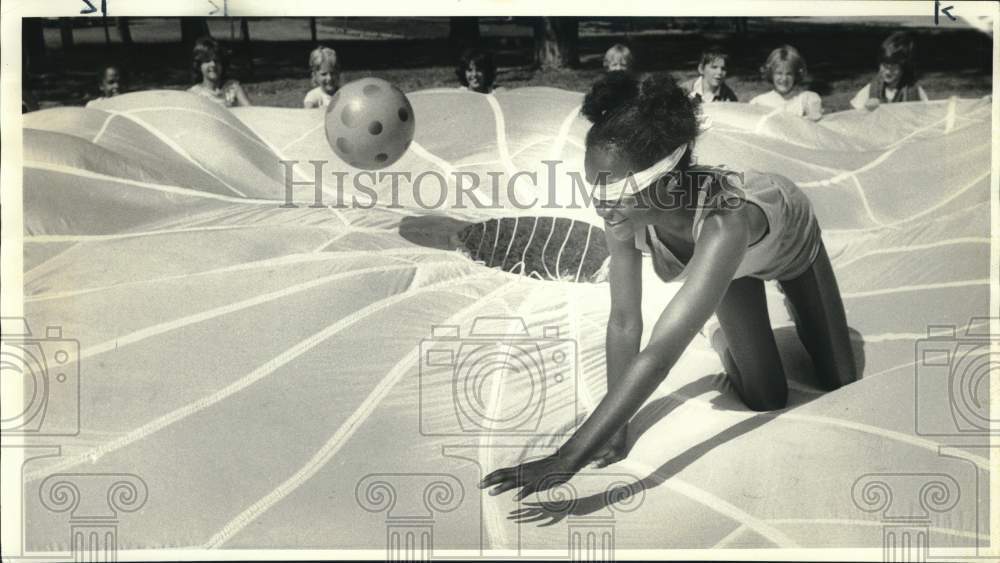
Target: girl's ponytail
(667,110)
(642,119)
(612,91)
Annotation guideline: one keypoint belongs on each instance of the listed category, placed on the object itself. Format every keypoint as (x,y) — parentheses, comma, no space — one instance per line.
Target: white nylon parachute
(321,377)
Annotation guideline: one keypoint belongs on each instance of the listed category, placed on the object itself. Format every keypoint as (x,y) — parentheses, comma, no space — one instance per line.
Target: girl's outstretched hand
(532,477)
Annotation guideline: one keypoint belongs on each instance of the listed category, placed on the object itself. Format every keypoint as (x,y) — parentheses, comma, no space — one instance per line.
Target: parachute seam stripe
(346,430)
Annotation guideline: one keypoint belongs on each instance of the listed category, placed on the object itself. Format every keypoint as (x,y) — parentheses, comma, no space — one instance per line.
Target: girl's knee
(775,399)
(839,376)
(838,368)
(765,394)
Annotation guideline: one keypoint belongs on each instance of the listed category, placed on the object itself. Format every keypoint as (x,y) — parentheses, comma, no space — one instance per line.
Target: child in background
(896,79)
(208,69)
(109,83)
(619,57)
(785,69)
(476,71)
(325,68)
(711,85)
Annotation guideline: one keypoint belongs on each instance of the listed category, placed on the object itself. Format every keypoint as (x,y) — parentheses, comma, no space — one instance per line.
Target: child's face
(476,78)
(110,82)
(327,77)
(713,73)
(615,62)
(891,73)
(783,78)
(212,71)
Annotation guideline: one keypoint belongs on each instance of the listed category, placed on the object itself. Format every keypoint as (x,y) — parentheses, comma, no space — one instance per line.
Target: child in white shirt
(325,68)
(785,69)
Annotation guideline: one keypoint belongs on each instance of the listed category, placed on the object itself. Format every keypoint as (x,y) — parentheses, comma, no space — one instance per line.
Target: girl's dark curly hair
(207,49)
(639,120)
(483,61)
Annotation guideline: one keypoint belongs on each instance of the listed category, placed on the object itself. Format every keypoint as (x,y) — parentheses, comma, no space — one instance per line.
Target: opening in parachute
(545,248)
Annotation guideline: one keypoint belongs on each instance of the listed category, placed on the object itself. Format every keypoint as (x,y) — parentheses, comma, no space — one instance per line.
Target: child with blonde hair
(619,57)
(325,67)
(896,79)
(785,69)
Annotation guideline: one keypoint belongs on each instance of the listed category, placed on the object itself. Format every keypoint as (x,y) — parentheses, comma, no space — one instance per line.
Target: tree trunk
(463,33)
(247,46)
(124,31)
(556,43)
(741,26)
(66,33)
(312,29)
(192,29)
(33,38)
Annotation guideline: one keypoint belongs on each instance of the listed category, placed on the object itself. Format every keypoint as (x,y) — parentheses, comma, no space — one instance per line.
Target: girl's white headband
(635,183)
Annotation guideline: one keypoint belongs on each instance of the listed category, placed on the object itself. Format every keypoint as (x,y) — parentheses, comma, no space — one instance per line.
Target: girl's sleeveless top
(787,249)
